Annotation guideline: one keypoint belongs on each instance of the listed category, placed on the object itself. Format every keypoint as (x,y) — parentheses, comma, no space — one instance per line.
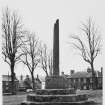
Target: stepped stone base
(59,103)
(56,98)
(55,91)
(56,82)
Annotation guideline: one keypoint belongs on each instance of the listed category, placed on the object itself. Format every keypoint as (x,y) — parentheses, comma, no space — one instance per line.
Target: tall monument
(56,49)
(57,91)
(56,81)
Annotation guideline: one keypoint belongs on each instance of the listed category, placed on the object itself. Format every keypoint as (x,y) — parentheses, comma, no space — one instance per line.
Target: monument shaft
(56,49)
(56,81)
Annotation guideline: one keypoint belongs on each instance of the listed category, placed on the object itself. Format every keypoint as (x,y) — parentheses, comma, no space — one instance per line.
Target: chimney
(101,71)
(72,72)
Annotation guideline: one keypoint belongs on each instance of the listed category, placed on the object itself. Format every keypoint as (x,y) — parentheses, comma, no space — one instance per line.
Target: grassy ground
(95,95)
(13,99)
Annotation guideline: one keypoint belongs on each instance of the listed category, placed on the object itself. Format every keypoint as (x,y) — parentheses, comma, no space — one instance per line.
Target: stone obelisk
(56,81)
(56,49)
(57,91)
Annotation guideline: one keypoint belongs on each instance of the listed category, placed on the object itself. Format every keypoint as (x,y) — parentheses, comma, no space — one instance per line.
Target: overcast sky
(39,16)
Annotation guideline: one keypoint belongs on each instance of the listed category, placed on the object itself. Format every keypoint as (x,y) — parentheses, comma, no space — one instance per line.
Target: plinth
(57,97)
(56,82)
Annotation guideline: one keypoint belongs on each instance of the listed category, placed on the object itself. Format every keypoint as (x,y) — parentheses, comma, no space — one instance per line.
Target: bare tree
(12,36)
(90,46)
(46,60)
(31,55)
(50,63)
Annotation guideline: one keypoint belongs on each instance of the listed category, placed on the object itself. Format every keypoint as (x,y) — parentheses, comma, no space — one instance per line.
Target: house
(80,80)
(83,79)
(26,83)
(6,84)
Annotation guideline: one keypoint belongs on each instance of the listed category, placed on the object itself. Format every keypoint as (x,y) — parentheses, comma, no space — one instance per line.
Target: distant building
(21,84)
(83,80)
(6,84)
(38,83)
(26,83)
(80,80)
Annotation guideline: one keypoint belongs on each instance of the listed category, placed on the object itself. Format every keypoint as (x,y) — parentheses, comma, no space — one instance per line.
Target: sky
(39,16)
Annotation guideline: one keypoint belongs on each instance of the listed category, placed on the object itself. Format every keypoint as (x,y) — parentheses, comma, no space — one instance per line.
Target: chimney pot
(72,72)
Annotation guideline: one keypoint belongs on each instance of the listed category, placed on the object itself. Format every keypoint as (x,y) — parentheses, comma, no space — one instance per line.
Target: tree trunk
(47,74)
(93,76)
(13,88)
(33,81)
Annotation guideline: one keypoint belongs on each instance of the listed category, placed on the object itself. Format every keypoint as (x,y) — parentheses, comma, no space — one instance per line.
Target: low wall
(55,91)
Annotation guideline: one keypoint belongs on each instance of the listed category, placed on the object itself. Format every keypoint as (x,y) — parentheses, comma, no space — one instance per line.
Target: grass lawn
(95,95)
(13,99)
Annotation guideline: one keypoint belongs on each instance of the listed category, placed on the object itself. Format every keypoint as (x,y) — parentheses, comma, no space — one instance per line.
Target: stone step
(56,98)
(55,91)
(60,103)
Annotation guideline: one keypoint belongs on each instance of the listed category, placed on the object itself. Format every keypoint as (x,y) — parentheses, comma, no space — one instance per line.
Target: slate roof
(83,74)
(80,75)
